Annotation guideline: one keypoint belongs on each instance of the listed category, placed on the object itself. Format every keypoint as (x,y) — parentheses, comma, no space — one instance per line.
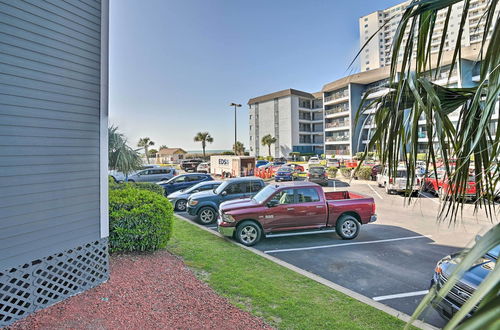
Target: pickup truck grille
(459,294)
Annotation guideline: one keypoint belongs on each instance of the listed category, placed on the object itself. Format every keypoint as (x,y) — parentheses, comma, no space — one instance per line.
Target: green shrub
(269,158)
(139,185)
(332,172)
(364,173)
(346,172)
(139,220)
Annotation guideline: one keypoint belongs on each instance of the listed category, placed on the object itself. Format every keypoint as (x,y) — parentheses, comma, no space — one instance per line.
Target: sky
(176,65)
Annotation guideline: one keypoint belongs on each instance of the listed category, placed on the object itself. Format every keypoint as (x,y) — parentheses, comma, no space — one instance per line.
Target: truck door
(310,210)
(280,215)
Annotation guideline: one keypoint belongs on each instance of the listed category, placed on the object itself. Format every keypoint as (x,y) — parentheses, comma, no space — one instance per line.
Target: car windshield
(264,194)
(286,169)
(196,186)
(317,170)
(222,187)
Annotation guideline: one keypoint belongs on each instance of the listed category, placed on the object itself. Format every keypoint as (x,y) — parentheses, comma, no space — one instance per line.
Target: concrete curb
(366,300)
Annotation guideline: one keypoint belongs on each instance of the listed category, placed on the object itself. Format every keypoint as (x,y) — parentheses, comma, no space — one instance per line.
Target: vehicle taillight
(391,180)
(373,208)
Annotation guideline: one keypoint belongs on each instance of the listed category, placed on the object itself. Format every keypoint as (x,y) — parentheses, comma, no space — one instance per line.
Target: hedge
(332,172)
(346,172)
(139,185)
(139,219)
(364,173)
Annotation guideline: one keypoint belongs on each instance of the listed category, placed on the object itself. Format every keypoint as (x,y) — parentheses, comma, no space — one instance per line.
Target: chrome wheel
(181,205)
(248,234)
(349,228)
(206,216)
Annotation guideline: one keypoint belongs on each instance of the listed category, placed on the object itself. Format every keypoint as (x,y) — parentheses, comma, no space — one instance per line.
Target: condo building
(294,118)
(383,23)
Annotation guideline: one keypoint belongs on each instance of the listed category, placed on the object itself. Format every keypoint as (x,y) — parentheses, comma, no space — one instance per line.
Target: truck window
(237,188)
(307,195)
(256,186)
(284,197)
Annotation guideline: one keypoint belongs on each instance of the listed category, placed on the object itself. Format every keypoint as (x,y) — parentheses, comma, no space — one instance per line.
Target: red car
(296,167)
(295,208)
(439,185)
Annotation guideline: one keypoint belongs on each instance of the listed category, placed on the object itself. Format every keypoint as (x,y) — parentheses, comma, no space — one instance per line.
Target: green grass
(281,297)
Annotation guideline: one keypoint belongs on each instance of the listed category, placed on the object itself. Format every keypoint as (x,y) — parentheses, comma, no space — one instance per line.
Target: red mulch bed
(145,291)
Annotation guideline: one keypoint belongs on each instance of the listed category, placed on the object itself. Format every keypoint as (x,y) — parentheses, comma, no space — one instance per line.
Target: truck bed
(342,195)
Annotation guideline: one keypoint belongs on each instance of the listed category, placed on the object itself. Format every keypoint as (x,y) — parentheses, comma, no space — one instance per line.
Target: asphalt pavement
(393,259)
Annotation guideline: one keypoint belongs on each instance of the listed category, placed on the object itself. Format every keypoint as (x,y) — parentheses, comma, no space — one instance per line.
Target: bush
(332,172)
(153,187)
(269,158)
(346,172)
(364,173)
(139,220)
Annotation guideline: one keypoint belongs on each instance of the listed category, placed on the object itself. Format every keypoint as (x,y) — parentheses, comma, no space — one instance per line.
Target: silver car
(179,198)
(153,175)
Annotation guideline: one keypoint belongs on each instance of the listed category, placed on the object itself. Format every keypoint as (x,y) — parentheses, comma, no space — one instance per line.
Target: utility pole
(235,105)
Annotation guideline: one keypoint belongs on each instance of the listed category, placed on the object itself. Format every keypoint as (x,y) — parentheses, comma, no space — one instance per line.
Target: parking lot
(392,260)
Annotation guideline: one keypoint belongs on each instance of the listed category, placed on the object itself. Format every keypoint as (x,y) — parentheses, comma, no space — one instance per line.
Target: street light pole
(235,105)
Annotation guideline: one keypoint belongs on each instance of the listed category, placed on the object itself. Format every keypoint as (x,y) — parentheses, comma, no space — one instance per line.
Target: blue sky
(175,65)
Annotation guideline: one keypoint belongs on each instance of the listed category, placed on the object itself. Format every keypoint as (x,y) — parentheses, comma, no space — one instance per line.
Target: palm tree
(203,137)
(145,143)
(268,140)
(470,142)
(239,148)
(122,158)
(162,147)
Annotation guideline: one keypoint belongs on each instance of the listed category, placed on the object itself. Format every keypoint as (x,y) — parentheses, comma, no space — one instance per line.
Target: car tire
(248,233)
(181,205)
(130,181)
(347,227)
(206,215)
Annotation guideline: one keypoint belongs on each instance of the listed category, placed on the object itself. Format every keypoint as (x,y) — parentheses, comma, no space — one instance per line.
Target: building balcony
(341,138)
(336,98)
(345,152)
(338,125)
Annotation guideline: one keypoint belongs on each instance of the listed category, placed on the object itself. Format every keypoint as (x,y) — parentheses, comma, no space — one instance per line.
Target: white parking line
(374,191)
(401,295)
(347,244)
(432,199)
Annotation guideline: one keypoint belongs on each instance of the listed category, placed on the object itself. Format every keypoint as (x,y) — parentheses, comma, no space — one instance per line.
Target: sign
(223,161)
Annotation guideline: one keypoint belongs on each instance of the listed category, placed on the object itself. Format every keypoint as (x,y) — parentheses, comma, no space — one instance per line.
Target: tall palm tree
(145,143)
(122,158)
(469,143)
(162,147)
(239,148)
(203,137)
(268,140)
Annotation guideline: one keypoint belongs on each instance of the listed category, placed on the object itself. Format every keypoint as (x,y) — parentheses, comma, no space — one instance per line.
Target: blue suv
(205,205)
(183,181)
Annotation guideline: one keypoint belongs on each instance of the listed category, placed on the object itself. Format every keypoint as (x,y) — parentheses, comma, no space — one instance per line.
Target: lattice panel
(43,282)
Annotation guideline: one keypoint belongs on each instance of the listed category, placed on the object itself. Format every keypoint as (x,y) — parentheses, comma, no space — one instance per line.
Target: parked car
(466,286)
(179,198)
(296,167)
(295,206)
(120,177)
(261,162)
(376,169)
(203,167)
(398,183)
(314,161)
(439,184)
(190,164)
(153,175)
(318,174)
(205,205)
(332,162)
(285,173)
(183,181)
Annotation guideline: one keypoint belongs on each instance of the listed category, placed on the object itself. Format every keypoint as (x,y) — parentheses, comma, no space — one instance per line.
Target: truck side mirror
(272,203)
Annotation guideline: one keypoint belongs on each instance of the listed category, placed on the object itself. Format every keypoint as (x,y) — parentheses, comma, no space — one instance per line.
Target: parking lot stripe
(432,199)
(347,244)
(374,191)
(401,295)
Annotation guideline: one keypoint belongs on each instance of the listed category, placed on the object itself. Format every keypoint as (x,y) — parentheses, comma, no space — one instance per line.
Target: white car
(398,183)
(203,168)
(313,161)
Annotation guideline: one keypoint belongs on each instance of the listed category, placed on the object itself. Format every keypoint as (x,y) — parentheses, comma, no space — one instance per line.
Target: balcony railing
(337,138)
(336,96)
(337,124)
(337,110)
(340,152)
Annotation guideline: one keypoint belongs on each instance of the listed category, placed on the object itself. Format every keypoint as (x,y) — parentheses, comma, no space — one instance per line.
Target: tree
(470,142)
(203,137)
(239,148)
(162,147)
(152,153)
(268,140)
(145,143)
(121,157)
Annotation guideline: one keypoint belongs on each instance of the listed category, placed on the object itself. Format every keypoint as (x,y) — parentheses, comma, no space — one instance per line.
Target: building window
(366,19)
(367,62)
(367,68)
(250,127)
(366,25)
(250,116)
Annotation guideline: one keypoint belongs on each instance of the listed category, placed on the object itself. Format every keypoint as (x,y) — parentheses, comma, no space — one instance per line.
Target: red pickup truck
(439,184)
(295,208)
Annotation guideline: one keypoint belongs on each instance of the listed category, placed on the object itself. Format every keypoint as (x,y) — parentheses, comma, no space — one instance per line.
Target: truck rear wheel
(347,227)
(248,233)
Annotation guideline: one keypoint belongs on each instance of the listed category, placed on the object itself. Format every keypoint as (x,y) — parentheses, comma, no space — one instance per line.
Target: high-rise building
(293,117)
(383,23)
